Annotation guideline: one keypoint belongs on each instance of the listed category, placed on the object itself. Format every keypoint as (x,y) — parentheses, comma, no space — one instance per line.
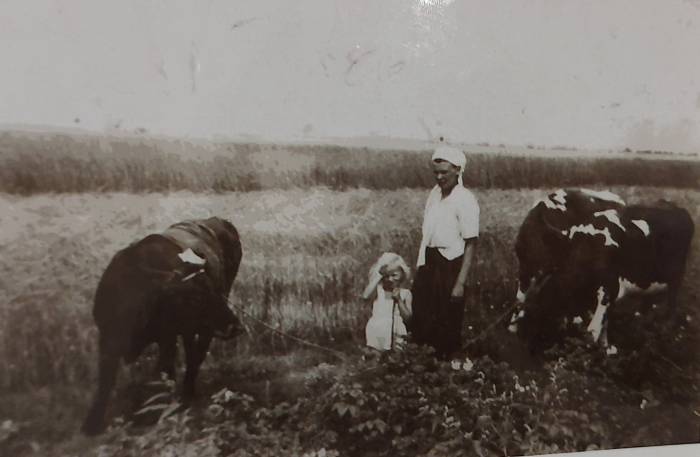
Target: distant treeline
(31,164)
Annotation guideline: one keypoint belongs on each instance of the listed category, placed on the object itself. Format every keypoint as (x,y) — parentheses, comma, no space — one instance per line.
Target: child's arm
(406,305)
(374,280)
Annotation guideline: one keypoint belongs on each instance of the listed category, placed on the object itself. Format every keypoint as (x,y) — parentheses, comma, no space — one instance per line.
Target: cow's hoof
(187,399)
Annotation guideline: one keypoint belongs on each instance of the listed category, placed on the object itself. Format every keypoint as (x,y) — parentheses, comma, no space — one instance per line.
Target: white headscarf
(389,260)
(452,155)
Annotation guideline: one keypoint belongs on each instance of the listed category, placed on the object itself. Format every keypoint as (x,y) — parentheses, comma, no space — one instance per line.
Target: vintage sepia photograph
(331,228)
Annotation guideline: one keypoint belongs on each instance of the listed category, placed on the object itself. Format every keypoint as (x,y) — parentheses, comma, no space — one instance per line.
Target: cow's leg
(606,295)
(195,351)
(604,332)
(672,298)
(108,365)
(167,349)
(598,321)
(138,345)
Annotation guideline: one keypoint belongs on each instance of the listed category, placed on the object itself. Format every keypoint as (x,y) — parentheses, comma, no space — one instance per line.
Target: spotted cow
(579,251)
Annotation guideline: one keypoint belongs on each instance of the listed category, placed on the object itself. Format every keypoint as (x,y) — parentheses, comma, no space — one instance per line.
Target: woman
(450,230)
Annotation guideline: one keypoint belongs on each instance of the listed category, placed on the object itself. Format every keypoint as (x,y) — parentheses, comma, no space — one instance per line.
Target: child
(392,306)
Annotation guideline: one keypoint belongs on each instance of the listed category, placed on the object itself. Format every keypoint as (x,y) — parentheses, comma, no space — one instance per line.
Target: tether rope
(343,356)
(335,352)
(488,329)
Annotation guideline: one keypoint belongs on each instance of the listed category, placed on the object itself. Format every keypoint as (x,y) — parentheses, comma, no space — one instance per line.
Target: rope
(339,354)
(672,363)
(488,329)
(342,355)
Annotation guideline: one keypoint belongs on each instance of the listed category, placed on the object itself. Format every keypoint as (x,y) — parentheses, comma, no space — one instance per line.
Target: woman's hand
(457,292)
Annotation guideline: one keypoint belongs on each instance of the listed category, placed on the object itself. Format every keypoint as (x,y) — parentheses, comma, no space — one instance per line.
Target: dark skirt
(437,319)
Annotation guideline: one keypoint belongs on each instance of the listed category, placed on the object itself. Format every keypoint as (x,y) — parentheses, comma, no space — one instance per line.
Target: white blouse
(448,221)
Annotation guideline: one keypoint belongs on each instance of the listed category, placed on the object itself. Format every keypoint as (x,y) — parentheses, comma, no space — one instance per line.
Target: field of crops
(32,164)
(306,253)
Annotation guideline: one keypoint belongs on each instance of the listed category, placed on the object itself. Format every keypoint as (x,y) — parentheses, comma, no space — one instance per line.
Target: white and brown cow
(580,250)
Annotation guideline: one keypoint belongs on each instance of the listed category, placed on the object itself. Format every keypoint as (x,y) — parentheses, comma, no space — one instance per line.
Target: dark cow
(167,284)
(579,251)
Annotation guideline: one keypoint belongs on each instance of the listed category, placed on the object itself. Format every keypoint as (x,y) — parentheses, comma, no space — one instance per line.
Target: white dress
(385,314)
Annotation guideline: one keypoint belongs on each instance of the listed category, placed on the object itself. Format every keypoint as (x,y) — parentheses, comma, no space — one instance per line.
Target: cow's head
(541,249)
(221,318)
(201,309)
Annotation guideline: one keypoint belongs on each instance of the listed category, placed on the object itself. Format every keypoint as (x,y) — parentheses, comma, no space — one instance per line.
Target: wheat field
(33,164)
(306,254)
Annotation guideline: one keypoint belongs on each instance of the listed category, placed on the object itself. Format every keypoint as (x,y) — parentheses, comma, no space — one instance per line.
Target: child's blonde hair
(387,261)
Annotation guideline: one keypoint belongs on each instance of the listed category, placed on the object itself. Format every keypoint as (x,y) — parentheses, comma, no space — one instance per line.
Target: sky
(594,74)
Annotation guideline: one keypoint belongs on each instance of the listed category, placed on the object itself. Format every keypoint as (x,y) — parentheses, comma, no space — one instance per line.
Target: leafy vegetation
(406,403)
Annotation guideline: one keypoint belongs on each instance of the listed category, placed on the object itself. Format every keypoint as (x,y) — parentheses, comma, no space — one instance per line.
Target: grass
(63,163)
